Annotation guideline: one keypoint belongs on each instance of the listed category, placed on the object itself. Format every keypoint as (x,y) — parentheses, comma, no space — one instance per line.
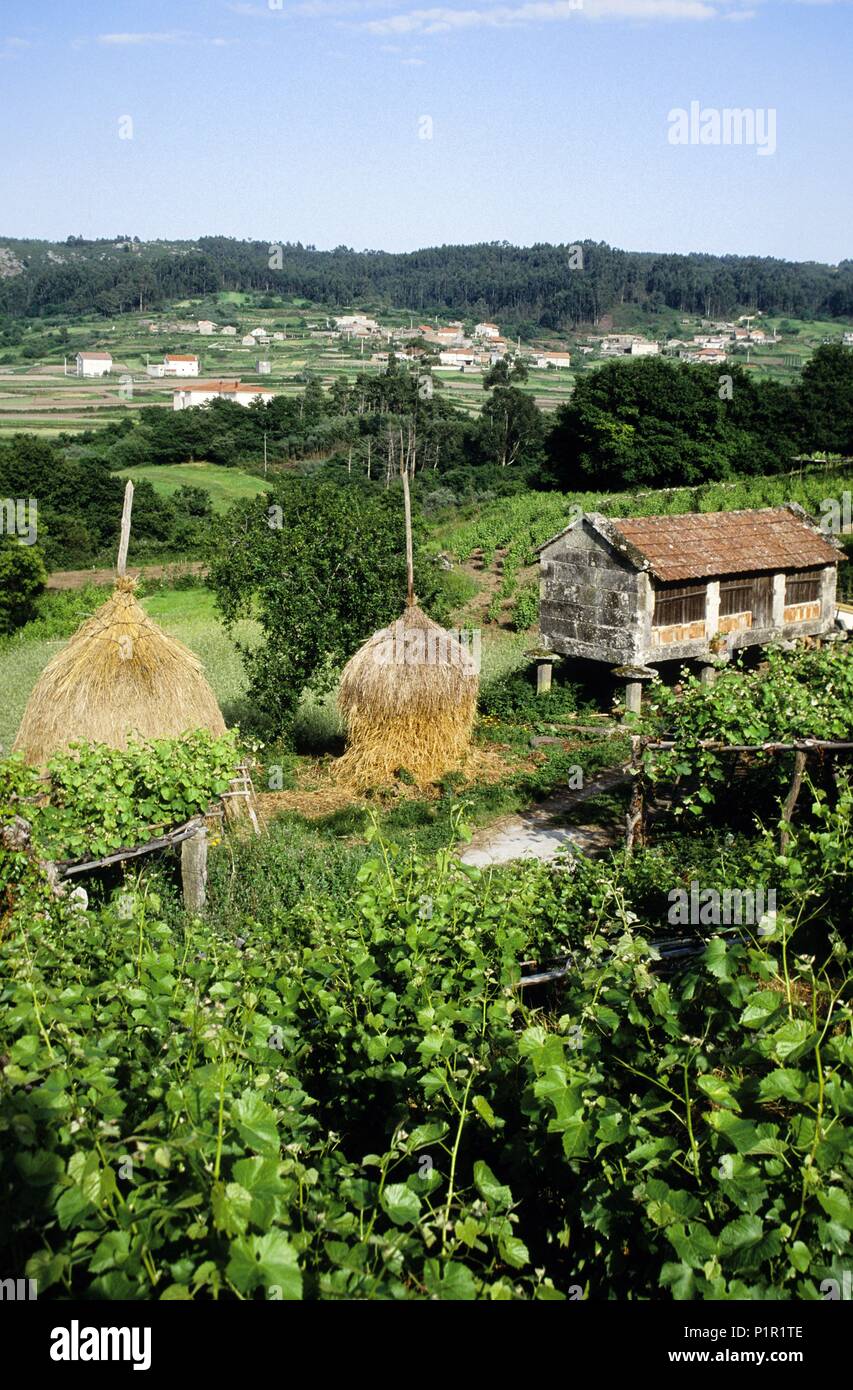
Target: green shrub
(22,578)
(345,1096)
(525,609)
(514,697)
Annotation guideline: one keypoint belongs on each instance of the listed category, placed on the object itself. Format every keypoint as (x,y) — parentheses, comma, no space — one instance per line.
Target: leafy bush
(96,799)
(22,578)
(514,697)
(59,612)
(350,1099)
(525,610)
(793,696)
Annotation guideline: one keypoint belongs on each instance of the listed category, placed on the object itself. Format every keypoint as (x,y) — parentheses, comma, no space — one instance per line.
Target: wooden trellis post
(635,830)
(194,870)
(791,799)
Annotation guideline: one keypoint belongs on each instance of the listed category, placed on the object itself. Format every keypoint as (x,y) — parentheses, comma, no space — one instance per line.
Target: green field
(36,395)
(225,485)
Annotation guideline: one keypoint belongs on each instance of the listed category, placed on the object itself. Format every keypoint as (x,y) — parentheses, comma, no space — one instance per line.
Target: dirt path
(76,579)
(540,833)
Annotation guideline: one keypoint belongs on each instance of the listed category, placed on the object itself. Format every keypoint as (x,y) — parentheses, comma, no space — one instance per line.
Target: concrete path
(541,833)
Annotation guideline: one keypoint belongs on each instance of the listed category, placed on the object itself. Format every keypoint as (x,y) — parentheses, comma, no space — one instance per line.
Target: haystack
(408,698)
(119,676)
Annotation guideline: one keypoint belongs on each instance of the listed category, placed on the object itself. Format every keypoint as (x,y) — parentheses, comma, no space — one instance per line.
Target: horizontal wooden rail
(801,745)
(68,868)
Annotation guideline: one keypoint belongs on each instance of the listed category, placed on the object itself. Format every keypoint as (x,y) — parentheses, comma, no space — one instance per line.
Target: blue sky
(303,120)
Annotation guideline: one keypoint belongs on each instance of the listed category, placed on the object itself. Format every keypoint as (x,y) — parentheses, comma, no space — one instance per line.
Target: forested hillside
(535,286)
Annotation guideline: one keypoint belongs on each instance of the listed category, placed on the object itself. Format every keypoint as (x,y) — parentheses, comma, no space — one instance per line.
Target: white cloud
(142,40)
(127,40)
(443,19)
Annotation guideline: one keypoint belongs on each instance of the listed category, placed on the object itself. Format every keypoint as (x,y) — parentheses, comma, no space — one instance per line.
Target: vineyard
(344,1081)
(520,523)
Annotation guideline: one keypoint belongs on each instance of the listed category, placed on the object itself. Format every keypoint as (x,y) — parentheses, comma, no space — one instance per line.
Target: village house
(263,367)
(847,339)
(487,330)
(356,325)
(553,359)
(229,331)
(709,356)
(180,364)
(448,336)
(94,363)
(206,326)
(641,590)
(185,397)
(249,341)
(627,345)
(460,357)
(703,340)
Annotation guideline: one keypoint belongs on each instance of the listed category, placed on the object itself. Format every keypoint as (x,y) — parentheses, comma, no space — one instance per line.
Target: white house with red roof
(180,364)
(553,359)
(94,363)
(186,397)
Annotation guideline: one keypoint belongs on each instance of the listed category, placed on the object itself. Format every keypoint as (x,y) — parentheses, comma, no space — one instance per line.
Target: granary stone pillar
(712,608)
(828,585)
(778,610)
(544,668)
(707,674)
(635,677)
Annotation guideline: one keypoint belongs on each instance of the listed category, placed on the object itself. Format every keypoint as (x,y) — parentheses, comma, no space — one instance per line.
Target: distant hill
(535,286)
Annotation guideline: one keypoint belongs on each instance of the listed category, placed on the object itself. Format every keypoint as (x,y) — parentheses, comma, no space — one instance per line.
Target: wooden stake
(121,567)
(791,798)
(635,819)
(410,563)
(194,870)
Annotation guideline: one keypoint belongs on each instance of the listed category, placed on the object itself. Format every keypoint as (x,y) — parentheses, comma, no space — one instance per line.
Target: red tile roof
(180,357)
(96,356)
(705,545)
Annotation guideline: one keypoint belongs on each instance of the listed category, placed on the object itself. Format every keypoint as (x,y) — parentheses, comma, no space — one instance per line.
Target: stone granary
(637,591)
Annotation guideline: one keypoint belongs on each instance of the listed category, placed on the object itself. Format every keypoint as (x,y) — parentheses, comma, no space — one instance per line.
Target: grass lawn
(225,485)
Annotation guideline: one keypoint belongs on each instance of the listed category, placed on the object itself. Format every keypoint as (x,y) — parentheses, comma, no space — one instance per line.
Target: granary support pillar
(707,674)
(544,668)
(635,677)
(633,697)
(777,617)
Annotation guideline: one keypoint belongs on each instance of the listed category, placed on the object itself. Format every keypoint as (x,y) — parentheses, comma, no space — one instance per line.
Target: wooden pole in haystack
(124,538)
(409,695)
(410,561)
(119,677)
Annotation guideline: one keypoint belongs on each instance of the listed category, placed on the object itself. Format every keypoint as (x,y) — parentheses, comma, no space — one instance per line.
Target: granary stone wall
(589,600)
